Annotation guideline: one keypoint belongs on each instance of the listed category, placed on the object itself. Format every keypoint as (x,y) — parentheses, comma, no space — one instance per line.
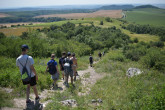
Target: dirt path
(88,78)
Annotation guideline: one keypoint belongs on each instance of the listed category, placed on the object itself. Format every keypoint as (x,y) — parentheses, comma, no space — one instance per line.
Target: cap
(25,46)
(69,54)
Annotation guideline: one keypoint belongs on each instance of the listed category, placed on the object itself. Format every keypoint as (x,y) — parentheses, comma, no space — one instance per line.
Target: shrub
(136,40)
(154,59)
(101,23)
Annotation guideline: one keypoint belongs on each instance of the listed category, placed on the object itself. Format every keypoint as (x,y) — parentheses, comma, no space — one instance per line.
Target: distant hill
(116,7)
(146,6)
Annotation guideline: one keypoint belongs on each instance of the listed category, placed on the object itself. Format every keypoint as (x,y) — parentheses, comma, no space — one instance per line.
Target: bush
(154,59)
(134,52)
(101,23)
(136,40)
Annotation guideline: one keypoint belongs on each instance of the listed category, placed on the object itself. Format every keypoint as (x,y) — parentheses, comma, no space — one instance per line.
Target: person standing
(74,59)
(91,60)
(61,63)
(100,55)
(53,70)
(28,73)
(68,71)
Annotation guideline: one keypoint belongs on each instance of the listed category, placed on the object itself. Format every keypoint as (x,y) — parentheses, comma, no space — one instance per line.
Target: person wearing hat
(25,64)
(53,70)
(68,71)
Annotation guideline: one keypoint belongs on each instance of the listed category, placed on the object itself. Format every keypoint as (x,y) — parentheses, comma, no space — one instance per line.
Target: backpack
(24,74)
(52,68)
(67,66)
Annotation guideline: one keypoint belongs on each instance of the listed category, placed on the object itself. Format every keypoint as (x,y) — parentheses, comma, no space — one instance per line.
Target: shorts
(55,76)
(68,74)
(32,82)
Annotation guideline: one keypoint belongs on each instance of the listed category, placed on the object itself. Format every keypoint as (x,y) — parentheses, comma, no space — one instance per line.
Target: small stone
(99,101)
(69,102)
(94,101)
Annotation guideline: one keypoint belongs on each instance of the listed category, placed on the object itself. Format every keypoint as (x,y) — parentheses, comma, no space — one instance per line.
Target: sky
(36,3)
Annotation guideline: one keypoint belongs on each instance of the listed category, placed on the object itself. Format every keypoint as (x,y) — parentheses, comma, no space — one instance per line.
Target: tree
(101,23)
(2,35)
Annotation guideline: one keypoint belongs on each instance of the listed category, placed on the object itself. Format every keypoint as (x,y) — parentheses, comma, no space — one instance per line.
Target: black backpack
(52,68)
(67,66)
(24,74)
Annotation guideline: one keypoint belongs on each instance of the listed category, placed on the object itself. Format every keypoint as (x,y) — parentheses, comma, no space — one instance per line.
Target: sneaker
(28,101)
(37,99)
(55,87)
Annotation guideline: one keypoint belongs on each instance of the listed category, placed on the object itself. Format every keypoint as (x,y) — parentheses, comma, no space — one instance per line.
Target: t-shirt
(61,62)
(22,59)
(55,63)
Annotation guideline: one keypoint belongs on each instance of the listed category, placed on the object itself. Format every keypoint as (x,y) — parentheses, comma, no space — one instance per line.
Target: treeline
(147,29)
(82,40)
(29,19)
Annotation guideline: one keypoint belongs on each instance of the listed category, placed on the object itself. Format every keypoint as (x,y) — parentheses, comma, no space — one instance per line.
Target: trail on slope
(88,78)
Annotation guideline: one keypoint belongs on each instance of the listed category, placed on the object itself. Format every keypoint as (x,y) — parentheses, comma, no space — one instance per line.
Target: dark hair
(73,54)
(63,53)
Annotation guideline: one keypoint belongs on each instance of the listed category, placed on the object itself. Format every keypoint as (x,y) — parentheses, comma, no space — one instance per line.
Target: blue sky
(33,3)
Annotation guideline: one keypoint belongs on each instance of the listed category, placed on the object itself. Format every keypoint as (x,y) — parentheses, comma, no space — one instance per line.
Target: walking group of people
(68,67)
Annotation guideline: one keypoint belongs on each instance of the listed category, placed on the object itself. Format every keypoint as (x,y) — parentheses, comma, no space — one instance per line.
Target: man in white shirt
(27,61)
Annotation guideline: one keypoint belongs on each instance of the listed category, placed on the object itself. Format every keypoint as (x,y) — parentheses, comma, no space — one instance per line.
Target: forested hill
(116,7)
(146,6)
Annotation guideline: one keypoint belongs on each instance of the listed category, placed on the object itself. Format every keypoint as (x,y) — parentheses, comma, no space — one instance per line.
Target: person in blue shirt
(53,70)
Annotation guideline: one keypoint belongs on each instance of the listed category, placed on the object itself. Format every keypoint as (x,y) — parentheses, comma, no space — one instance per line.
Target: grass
(17,31)
(153,17)
(5,99)
(61,22)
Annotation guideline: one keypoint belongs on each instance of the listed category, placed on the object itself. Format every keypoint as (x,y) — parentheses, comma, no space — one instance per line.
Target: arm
(76,63)
(34,71)
(57,69)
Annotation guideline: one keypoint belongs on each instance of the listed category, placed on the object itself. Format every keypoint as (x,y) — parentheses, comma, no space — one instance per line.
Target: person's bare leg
(63,75)
(27,92)
(71,80)
(35,91)
(55,82)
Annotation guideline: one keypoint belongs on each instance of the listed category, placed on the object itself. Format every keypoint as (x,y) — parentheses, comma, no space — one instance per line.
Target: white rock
(133,71)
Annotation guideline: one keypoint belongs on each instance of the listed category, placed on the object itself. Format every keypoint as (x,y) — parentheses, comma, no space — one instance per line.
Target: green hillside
(150,16)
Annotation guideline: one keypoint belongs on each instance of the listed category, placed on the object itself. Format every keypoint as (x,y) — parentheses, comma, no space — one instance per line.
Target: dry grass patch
(100,13)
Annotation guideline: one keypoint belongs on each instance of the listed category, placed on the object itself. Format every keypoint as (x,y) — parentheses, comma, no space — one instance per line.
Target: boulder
(133,71)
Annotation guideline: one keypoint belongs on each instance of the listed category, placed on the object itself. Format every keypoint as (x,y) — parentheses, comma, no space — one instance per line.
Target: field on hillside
(100,13)
(21,23)
(3,15)
(17,31)
(155,17)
